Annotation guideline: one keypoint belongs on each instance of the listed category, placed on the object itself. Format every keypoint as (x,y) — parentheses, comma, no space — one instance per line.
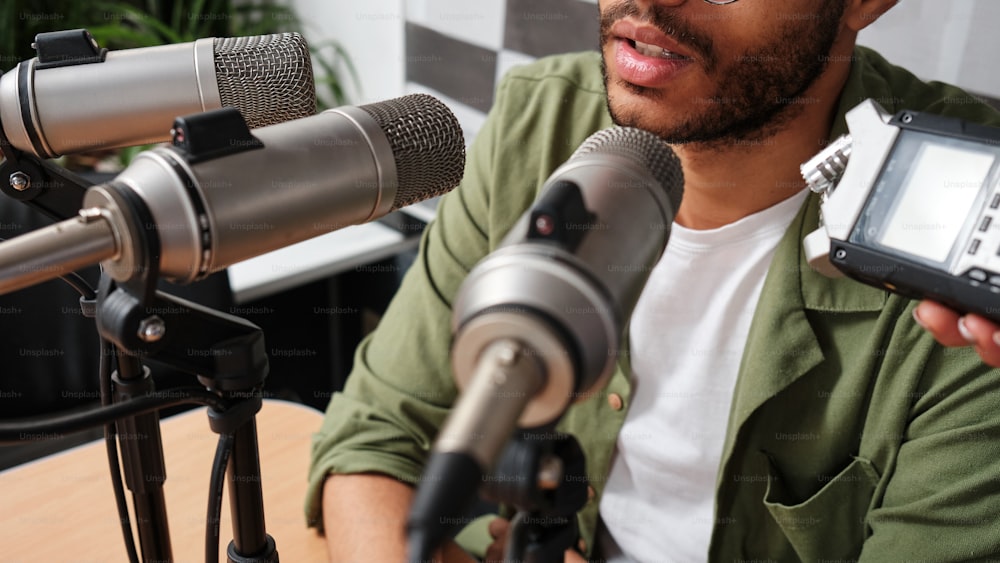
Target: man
(849,434)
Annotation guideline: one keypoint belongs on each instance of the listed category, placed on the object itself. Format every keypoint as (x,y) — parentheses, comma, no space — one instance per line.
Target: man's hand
(952,329)
(499,528)
(365,519)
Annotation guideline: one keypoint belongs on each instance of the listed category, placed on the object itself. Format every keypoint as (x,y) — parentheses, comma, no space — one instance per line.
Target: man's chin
(701,127)
(629,102)
(637,110)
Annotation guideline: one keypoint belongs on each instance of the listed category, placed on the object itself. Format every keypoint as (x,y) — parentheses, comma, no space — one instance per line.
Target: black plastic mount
(545,524)
(48,188)
(213,134)
(67,48)
(514,481)
(560,216)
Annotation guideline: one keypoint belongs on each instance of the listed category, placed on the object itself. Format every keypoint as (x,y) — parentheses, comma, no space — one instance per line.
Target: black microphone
(75,97)
(215,202)
(538,322)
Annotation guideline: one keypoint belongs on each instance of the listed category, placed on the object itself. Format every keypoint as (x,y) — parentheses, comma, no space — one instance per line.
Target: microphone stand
(236,364)
(142,458)
(227,354)
(58,194)
(542,475)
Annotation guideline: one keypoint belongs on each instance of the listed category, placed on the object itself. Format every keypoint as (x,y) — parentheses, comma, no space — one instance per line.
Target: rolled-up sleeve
(400,386)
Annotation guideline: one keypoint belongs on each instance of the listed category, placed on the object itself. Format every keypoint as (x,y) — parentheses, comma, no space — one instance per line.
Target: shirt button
(615,401)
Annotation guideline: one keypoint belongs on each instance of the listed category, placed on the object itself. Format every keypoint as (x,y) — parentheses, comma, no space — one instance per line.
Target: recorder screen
(935,200)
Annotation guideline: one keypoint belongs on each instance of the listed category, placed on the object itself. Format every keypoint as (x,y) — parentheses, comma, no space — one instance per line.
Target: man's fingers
(984,333)
(498,527)
(951,329)
(941,322)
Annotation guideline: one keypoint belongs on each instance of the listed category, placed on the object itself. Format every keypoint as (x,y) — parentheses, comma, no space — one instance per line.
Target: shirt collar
(818,292)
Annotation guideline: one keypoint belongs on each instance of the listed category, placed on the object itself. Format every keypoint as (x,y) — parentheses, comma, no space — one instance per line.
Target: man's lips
(649,40)
(645,56)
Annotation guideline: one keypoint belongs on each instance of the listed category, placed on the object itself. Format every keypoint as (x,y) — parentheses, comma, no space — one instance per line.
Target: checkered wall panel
(457,50)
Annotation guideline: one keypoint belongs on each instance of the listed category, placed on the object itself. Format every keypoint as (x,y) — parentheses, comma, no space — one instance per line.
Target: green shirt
(851,433)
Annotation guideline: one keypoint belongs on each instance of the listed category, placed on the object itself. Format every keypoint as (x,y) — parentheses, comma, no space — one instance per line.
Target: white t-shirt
(687,336)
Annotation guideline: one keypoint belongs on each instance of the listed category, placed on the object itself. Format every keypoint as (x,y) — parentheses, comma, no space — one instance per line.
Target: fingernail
(964,330)
(996,338)
(919,321)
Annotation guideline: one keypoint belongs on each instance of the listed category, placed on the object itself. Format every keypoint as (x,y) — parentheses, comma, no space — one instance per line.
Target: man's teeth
(654,51)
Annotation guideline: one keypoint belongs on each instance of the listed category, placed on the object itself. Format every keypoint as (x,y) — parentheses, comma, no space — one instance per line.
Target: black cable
(19,431)
(110,443)
(77,282)
(216,484)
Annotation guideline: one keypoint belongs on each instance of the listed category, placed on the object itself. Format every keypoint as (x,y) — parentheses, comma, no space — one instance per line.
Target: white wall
(372,33)
(953,41)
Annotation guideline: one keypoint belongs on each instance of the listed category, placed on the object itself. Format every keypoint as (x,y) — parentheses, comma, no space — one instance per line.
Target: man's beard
(759,91)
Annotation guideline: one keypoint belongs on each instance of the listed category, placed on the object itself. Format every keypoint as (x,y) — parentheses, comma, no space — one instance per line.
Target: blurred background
(316,300)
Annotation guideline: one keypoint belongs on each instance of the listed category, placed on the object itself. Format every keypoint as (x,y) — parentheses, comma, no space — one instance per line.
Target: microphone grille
(643,148)
(427,144)
(269,78)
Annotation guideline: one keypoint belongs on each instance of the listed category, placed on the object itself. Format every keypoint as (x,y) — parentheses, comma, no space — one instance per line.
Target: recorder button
(995,280)
(974,247)
(978,275)
(995,202)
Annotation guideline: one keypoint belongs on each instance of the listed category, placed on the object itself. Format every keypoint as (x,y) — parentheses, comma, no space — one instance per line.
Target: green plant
(129,26)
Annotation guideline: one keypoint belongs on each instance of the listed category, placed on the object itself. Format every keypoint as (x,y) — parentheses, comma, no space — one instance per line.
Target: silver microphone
(132,96)
(538,322)
(565,279)
(297,180)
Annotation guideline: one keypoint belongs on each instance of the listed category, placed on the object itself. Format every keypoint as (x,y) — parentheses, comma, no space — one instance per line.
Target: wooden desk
(61,508)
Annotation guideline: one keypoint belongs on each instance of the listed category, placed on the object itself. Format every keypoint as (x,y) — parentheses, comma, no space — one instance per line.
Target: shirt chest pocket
(831,523)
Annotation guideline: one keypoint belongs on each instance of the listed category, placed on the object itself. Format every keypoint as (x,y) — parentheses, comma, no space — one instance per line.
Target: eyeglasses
(720,2)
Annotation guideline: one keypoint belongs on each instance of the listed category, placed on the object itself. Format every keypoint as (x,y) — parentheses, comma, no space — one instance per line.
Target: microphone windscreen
(427,144)
(642,148)
(269,78)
